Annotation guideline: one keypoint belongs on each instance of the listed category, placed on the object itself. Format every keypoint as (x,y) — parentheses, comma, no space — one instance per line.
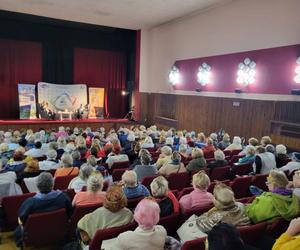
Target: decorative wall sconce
(174,75)
(203,76)
(246,72)
(297,71)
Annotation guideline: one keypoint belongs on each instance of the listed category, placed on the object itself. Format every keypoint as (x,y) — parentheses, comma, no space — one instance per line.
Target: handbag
(189,230)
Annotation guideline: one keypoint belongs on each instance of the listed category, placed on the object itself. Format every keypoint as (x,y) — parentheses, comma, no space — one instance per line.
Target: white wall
(241,25)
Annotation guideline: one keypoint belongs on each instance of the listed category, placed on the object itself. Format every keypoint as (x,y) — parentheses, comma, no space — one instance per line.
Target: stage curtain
(103,69)
(20,62)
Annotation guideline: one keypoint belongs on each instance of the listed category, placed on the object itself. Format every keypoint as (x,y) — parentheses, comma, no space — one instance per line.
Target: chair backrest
(47,228)
(235,158)
(227,153)
(146,181)
(78,213)
(178,180)
(51,171)
(132,203)
(240,186)
(241,169)
(117,173)
(197,244)
(62,182)
(220,173)
(278,227)
(170,223)
(11,205)
(185,191)
(70,193)
(197,211)
(259,180)
(209,154)
(253,233)
(118,165)
(108,233)
(235,152)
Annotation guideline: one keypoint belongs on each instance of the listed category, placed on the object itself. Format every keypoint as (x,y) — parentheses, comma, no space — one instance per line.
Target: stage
(36,124)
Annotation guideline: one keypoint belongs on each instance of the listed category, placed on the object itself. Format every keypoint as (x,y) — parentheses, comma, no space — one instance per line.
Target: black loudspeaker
(238,91)
(295,91)
(198,90)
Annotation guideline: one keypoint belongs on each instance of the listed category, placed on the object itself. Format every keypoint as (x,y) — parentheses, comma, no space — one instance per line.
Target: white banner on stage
(60,97)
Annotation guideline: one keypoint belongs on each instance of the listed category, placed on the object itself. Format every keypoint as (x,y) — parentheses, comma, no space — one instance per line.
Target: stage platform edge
(45,124)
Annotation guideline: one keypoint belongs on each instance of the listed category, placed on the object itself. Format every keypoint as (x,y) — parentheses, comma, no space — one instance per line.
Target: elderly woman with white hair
(264,161)
(133,189)
(281,156)
(165,156)
(94,193)
(166,200)
(294,164)
(219,161)
(225,142)
(236,144)
(61,132)
(80,181)
(66,166)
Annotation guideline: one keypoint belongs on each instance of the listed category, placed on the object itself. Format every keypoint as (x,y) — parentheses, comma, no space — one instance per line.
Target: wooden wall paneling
(251,118)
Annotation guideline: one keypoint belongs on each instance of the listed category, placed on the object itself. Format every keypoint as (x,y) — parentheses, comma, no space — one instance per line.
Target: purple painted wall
(275,71)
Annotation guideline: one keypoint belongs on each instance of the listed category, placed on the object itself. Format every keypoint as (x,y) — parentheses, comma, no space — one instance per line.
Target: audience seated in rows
(67,168)
(164,157)
(148,235)
(113,213)
(51,162)
(131,188)
(294,164)
(80,181)
(219,160)
(278,202)
(225,209)
(173,166)
(281,156)
(198,162)
(94,194)
(166,200)
(145,168)
(264,161)
(236,144)
(199,197)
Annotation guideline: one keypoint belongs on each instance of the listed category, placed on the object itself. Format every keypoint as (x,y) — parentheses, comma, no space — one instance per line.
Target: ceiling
(130,14)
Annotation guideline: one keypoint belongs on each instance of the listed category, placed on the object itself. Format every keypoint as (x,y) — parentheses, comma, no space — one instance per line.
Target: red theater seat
(240,186)
(253,233)
(220,173)
(132,203)
(117,173)
(109,233)
(44,229)
(62,182)
(118,165)
(178,180)
(198,244)
(146,181)
(170,223)
(11,205)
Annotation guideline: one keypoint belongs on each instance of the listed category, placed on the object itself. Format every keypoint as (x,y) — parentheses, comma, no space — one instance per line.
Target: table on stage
(62,113)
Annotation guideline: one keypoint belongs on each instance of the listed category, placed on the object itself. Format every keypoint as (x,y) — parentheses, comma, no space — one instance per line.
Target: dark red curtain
(20,62)
(103,69)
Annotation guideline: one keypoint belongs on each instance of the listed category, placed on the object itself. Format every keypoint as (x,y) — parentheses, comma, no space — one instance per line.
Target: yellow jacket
(287,242)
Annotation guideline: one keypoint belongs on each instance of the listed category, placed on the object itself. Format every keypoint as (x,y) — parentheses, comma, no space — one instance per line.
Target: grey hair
(146,159)
(45,182)
(280,149)
(270,148)
(53,145)
(182,148)
(91,160)
(76,155)
(85,171)
(95,183)
(66,160)
(219,155)
(52,154)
